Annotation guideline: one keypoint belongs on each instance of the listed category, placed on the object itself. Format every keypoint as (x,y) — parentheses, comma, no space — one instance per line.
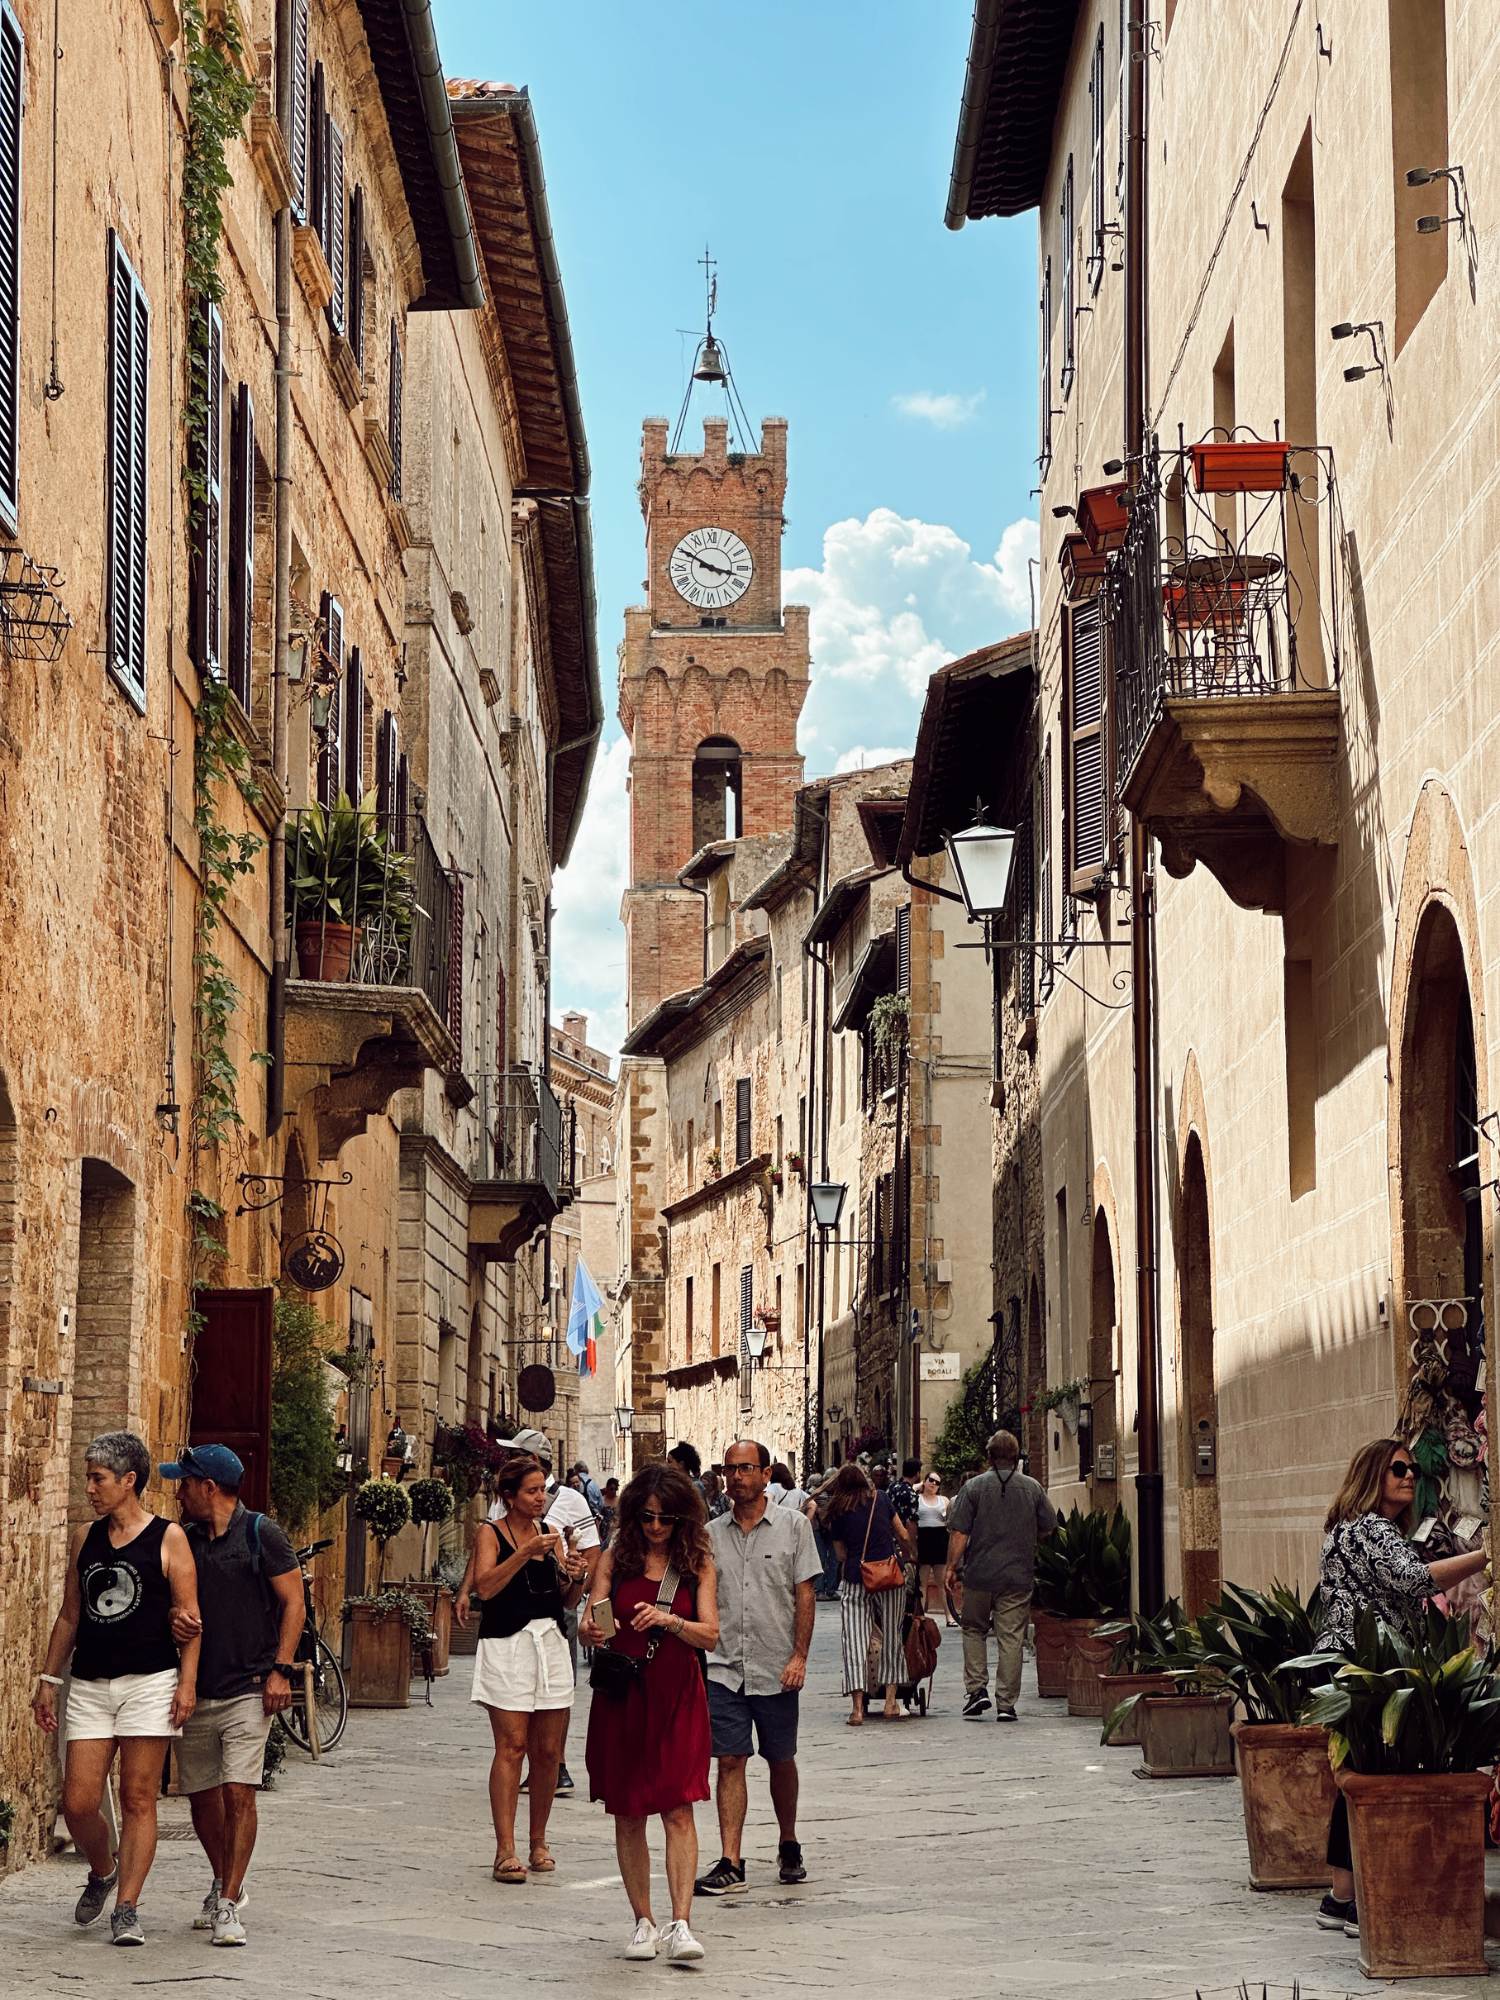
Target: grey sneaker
(642,1943)
(90,1905)
(125,1925)
(204,1921)
(227,1926)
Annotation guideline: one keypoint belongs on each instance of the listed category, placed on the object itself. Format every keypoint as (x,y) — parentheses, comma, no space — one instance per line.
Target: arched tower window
(718,807)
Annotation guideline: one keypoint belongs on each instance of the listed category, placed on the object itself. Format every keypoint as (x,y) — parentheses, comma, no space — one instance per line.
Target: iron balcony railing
(368,902)
(530,1134)
(1221,593)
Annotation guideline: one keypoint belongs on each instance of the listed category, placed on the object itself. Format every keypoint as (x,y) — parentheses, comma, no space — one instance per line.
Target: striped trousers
(867,1622)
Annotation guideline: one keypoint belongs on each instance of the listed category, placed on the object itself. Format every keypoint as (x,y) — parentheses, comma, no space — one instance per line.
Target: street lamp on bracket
(624,1419)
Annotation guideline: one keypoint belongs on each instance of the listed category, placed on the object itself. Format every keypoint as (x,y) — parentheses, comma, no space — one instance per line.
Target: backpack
(922,1641)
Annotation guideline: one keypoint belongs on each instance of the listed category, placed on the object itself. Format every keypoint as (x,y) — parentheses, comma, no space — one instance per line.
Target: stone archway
(1198,1428)
(1104,1358)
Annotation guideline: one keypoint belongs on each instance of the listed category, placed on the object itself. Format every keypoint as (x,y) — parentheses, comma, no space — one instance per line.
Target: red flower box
(1103,517)
(1240,467)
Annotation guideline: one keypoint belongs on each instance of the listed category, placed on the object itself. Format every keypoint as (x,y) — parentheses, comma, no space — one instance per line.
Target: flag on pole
(585,1320)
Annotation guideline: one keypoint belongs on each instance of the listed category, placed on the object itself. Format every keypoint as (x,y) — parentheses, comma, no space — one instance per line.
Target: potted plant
(467,1453)
(1286,1782)
(795,1165)
(342,874)
(776,1179)
(1413,1733)
(432,1500)
(1103,516)
(385,1509)
(1067,1400)
(384,1631)
(1140,1646)
(1184,1734)
(714,1163)
(1082,1579)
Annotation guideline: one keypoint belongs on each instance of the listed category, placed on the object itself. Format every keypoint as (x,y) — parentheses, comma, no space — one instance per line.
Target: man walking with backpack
(993,1529)
(250,1598)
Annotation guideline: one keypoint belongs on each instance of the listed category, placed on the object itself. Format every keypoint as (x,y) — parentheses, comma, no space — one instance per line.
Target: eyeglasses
(663,1520)
(731,1470)
(1400,1469)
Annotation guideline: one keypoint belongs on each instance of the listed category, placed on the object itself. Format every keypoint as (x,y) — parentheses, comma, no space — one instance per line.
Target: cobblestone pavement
(945,1857)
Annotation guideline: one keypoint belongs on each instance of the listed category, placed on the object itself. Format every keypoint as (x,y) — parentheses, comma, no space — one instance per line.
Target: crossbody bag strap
(664,1597)
(869,1524)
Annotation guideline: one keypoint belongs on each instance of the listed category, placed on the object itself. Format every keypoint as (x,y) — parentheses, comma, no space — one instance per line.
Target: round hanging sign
(314,1260)
(536,1387)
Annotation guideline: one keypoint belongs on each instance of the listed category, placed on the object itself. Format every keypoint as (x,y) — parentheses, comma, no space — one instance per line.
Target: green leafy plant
(431,1500)
(889,1019)
(304,1473)
(967,1427)
(342,866)
(397,1603)
(1083,1566)
(1065,1392)
(1245,1641)
(7,1821)
(1428,1704)
(1144,1645)
(383,1506)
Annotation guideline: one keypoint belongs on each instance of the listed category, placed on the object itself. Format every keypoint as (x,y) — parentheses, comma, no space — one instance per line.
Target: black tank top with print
(126,1606)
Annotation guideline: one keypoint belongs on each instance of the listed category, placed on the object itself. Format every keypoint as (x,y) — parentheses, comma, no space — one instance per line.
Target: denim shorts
(774,1716)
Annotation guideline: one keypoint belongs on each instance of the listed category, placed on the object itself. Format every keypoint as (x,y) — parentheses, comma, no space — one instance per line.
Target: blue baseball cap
(206,1461)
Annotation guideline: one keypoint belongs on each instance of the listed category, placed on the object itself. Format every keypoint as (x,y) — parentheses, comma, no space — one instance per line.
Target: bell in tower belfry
(713,675)
(710,364)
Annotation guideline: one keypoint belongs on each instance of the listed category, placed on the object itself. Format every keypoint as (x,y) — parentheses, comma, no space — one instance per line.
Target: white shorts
(129,1705)
(528,1672)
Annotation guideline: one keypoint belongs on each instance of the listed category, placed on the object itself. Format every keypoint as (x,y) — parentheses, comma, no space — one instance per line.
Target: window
(1069,315)
(1419,138)
(403,801)
(317,155)
(12,89)
(335,240)
(387,754)
(741,1120)
(242,548)
(394,412)
(207,590)
(718,1145)
(294,120)
(1025,908)
(692,1153)
(128,472)
(1044,871)
(778,1000)
(1124,107)
(354,728)
(331,638)
(1044,399)
(778,1142)
(903,949)
(715,1290)
(456,968)
(354,308)
(1096,163)
(1085,780)
(747,1313)
(687,1319)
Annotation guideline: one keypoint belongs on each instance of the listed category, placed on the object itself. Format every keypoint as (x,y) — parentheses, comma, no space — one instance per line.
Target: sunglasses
(1402,1469)
(662,1520)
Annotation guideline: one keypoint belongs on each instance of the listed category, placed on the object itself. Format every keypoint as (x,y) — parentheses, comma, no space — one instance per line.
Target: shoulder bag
(885,1573)
(615,1674)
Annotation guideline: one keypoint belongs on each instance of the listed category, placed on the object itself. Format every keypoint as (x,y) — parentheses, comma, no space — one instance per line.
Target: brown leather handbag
(885,1573)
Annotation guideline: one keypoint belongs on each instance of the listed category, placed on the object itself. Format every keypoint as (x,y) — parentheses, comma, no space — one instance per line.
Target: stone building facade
(1310,753)
(581,1077)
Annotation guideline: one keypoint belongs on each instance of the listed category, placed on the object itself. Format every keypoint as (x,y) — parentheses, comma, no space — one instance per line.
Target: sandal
(510,1869)
(855,1721)
(542,1862)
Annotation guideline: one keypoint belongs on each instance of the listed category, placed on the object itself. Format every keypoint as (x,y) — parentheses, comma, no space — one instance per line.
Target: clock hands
(702,562)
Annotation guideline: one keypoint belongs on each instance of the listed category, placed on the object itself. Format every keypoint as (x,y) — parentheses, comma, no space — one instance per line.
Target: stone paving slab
(946,1858)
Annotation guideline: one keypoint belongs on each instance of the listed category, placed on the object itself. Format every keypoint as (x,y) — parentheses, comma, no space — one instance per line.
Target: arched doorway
(103,1324)
(1198,1436)
(1100,1455)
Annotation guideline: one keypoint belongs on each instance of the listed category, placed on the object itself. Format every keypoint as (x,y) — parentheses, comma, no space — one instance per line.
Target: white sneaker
(643,1940)
(682,1947)
(204,1921)
(227,1926)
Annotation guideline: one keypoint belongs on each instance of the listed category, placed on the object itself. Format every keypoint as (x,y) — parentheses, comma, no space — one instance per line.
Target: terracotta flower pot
(1423,1921)
(1051,1654)
(1120,1687)
(326,950)
(379,1659)
(1102,518)
(1286,1786)
(1087,1659)
(1186,1736)
(1240,466)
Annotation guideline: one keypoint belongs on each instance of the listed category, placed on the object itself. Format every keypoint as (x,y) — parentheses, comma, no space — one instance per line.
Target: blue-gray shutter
(295,124)
(127,469)
(208,513)
(1085,794)
(12,106)
(242,548)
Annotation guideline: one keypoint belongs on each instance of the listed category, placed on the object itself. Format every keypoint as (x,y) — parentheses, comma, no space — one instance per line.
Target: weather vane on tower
(711,366)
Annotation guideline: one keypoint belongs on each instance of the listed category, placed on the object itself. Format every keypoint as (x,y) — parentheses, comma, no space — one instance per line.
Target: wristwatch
(287,1667)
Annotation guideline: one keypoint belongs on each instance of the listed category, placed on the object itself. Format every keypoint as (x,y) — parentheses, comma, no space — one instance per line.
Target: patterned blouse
(1368,1564)
(904,1500)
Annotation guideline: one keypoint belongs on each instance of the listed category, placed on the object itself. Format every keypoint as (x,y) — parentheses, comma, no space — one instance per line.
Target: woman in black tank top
(131,1687)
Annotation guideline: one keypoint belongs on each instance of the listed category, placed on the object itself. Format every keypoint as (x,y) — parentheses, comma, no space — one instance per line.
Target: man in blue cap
(250,1598)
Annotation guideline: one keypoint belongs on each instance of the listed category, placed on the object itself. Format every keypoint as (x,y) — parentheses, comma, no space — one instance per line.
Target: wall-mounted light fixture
(1374,330)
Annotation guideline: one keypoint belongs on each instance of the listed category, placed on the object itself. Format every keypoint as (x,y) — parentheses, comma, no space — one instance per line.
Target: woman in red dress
(648,1748)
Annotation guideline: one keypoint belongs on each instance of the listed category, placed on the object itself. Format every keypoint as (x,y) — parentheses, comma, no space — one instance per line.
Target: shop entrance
(1198,1439)
(1099,1450)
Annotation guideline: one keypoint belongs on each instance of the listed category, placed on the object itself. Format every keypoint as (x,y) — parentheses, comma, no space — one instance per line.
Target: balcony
(531,1141)
(367,1013)
(1226,659)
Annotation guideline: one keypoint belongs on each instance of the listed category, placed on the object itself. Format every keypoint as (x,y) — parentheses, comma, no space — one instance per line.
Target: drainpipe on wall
(281,640)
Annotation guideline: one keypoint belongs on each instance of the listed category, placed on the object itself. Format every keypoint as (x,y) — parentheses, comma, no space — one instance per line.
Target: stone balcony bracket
(349,1049)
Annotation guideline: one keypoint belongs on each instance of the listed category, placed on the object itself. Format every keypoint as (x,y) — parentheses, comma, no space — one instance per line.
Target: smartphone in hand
(603,1615)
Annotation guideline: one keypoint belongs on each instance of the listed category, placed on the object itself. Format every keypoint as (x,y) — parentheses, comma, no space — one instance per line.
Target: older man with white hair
(993,1528)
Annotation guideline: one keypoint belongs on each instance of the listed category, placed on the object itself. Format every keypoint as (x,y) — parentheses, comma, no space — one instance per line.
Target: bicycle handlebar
(314,1549)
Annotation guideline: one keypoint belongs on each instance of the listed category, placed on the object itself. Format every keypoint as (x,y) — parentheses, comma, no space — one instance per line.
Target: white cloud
(945,410)
(588,941)
(894,600)
(861,759)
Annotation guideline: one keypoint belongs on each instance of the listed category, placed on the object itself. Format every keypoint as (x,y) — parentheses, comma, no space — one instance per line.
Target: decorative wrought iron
(253,1188)
(314,1261)
(33,622)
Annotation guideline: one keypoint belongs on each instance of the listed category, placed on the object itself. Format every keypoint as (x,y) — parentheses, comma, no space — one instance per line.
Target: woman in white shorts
(525,1577)
(126,1575)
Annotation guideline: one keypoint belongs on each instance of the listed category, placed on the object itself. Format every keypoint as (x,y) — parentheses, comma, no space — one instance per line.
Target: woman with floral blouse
(1367,1564)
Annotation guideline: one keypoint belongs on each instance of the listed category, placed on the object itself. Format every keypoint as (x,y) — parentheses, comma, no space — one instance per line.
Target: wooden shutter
(1044,397)
(129,466)
(232,1382)
(354,310)
(395,411)
(242,547)
(317,156)
(297,109)
(1069,321)
(12,99)
(747,1315)
(741,1120)
(903,949)
(337,242)
(1085,787)
(385,771)
(456,964)
(1096,162)
(353,727)
(403,797)
(1045,903)
(208,515)
(330,761)
(1025,907)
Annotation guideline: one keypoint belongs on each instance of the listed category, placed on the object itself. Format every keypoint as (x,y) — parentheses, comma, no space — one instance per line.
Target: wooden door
(232,1382)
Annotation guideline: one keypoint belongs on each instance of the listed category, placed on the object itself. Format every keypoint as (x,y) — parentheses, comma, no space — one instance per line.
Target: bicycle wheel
(330,1702)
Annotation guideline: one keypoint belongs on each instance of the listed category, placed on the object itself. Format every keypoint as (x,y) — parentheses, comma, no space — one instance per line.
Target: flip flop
(546,1865)
(510,1870)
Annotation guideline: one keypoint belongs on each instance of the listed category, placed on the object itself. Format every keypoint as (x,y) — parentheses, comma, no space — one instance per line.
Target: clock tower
(713,675)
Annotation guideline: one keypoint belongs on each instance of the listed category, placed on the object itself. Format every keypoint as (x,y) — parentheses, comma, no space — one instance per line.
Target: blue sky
(809,144)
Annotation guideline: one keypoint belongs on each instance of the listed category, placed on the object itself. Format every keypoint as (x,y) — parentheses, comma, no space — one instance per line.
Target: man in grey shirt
(768,1564)
(992,1536)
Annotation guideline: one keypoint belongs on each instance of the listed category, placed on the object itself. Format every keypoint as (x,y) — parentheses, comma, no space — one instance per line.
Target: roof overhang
(679,1020)
(875,974)
(881,819)
(840,903)
(706,863)
(972,724)
(799,870)
(1018,55)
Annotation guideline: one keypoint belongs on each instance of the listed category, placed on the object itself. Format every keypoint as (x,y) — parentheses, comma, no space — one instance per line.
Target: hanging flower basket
(1236,466)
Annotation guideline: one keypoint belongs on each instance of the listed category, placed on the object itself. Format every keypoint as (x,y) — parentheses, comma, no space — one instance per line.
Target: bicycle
(330,1697)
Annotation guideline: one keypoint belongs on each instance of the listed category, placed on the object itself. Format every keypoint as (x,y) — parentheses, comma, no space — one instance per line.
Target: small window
(741,1120)
(330,760)
(354,727)
(354,309)
(128,472)
(1096,163)
(1086,781)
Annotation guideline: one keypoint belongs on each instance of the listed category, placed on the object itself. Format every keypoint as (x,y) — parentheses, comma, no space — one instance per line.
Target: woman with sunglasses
(525,1577)
(1367,1564)
(648,1747)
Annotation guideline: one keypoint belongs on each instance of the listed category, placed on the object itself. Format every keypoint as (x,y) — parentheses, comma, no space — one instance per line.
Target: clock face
(711,568)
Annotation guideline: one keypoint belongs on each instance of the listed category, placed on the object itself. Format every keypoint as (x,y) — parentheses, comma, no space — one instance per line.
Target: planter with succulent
(384,1632)
(796,1165)
(1413,1735)
(1082,1580)
(713,1164)
(1183,1732)
(776,1179)
(1139,1648)
(432,1501)
(343,874)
